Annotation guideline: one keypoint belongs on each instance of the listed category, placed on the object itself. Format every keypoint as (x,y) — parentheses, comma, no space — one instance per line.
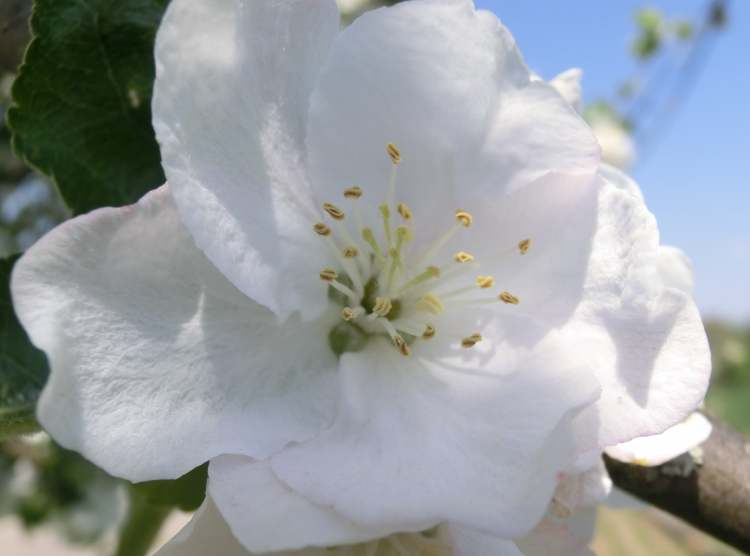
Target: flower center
(385,288)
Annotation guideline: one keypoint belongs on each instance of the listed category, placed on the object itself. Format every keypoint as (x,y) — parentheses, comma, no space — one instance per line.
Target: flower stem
(143,523)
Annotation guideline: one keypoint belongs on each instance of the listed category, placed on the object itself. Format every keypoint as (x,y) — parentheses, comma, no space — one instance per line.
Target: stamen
(471,341)
(350,252)
(485,282)
(464,218)
(429,332)
(382,307)
(507,297)
(369,237)
(321,229)
(328,275)
(354,192)
(463,257)
(385,212)
(404,211)
(524,246)
(349,314)
(394,153)
(430,303)
(431,272)
(398,339)
(333,211)
(401,345)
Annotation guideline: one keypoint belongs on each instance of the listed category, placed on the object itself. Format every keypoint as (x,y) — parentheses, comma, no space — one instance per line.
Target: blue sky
(697,178)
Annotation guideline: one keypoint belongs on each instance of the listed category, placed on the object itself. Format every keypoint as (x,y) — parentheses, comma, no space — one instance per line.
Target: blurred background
(666,89)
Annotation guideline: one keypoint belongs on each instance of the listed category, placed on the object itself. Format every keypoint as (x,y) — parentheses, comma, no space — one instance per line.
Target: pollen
(328,275)
(429,332)
(485,282)
(350,252)
(464,218)
(382,307)
(463,257)
(333,211)
(404,211)
(524,246)
(354,192)
(471,341)
(321,229)
(509,298)
(394,153)
(401,345)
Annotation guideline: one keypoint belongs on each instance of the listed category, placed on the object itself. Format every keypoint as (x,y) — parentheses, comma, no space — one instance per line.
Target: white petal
(265,515)
(558,537)
(676,269)
(230,110)
(660,448)
(448,86)
(158,362)
(568,84)
(581,490)
(644,338)
(428,441)
(469,542)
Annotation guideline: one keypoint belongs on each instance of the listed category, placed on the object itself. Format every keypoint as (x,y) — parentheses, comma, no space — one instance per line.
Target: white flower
(490,312)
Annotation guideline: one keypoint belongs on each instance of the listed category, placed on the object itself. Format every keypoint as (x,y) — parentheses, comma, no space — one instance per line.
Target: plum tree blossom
(388,287)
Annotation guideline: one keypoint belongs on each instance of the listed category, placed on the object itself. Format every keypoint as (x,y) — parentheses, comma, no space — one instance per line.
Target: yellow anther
(430,303)
(404,211)
(347,313)
(463,257)
(464,218)
(507,297)
(394,153)
(385,211)
(485,282)
(350,252)
(429,332)
(328,275)
(335,212)
(401,345)
(524,246)
(471,341)
(321,229)
(404,234)
(382,307)
(354,192)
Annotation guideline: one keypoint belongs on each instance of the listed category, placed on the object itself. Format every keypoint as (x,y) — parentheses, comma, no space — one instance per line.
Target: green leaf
(186,493)
(81,103)
(23,368)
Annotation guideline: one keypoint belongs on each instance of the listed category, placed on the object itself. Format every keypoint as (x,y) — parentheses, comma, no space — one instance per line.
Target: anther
(524,246)
(471,341)
(394,153)
(382,307)
(485,282)
(507,297)
(348,314)
(350,252)
(401,345)
(429,332)
(335,212)
(321,229)
(354,192)
(328,275)
(463,257)
(404,211)
(430,303)
(464,218)
(404,234)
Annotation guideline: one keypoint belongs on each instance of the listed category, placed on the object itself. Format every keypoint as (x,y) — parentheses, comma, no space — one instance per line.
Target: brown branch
(711,490)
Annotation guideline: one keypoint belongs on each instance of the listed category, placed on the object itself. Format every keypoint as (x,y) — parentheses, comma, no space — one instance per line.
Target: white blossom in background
(388,290)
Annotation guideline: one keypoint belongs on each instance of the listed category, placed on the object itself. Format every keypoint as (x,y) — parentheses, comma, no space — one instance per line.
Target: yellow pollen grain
(347,313)
(321,229)
(471,341)
(485,282)
(401,345)
(429,332)
(463,257)
(328,275)
(382,307)
(524,246)
(430,303)
(404,211)
(354,192)
(334,212)
(350,252)
(394,153)
(507,297)
(464,218)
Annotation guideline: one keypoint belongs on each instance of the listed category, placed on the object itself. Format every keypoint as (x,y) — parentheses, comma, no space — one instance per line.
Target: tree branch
(710,491)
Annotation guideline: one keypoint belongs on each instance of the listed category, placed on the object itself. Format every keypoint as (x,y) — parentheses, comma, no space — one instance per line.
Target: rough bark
(709,487)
